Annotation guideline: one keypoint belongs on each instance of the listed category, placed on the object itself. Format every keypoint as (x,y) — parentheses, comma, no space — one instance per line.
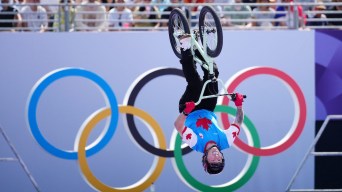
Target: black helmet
(212,168)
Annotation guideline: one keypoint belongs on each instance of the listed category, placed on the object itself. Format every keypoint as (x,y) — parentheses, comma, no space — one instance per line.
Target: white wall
(120,58)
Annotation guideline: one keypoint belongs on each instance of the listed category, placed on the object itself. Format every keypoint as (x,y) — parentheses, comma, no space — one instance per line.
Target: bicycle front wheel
(210,27)
(178,25)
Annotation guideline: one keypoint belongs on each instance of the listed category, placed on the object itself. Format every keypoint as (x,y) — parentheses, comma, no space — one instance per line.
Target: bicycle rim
(210,23)
(178,25)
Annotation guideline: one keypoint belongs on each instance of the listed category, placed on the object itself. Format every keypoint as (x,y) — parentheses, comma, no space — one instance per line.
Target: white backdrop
(120,58)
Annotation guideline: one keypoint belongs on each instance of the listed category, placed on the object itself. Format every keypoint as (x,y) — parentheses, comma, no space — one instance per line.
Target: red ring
(302,109)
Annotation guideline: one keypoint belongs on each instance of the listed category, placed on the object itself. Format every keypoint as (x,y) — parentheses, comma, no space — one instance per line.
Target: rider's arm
(239,116)
(238,99)
(179,123)
(239,111)
(233,131)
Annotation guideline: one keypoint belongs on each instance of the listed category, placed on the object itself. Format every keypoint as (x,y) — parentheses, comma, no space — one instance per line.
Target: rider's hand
(189,106)
(238,99)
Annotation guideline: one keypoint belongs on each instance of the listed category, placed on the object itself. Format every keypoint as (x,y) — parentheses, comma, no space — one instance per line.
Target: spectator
(119,17)
(10,14)
(59,23)
(318,16)
(34,17)
(166,13)
(250,1)
(337,15)
(217,8)
(273,4)
(132,4)
(108,4)
(19,4)
(145,12)
(264,14)
(90,16)
(288,19)
(232,13)
(51,7)
(194,8)
(162,3)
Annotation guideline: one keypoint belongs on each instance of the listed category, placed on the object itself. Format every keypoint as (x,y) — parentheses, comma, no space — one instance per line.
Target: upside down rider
(198,125)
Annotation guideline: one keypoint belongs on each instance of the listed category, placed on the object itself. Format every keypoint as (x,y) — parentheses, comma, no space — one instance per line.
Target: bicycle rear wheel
(210,25)
(178,25)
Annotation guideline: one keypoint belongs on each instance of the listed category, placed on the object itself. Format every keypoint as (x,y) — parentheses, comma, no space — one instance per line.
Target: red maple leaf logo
(204,123)
(234,134)
(188,136)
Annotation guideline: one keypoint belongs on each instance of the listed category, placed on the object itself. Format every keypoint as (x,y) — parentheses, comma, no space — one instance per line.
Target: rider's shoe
(185,41)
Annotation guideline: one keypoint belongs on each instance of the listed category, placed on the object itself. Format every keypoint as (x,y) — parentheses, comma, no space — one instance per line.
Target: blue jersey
(201,128)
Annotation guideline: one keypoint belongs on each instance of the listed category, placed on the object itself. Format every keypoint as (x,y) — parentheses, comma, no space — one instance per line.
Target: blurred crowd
(121,15)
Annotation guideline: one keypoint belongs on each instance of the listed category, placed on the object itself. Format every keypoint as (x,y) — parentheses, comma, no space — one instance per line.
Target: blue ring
(48,79)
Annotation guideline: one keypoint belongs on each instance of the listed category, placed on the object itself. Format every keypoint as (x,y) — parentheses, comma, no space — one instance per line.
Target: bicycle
(208,40)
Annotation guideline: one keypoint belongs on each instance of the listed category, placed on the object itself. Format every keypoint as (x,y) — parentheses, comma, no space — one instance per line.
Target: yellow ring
(146,181)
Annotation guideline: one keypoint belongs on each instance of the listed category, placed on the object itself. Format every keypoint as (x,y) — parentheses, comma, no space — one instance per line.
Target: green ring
(225,187)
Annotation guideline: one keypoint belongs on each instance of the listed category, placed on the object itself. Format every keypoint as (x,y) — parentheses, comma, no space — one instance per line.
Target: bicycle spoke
(178,29)
(177,26)
(210,30)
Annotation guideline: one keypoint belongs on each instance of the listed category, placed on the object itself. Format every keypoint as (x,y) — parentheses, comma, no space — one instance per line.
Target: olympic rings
(234,184)
(81,152)
(154,171)
(300,105)
(36,93)
(130,98)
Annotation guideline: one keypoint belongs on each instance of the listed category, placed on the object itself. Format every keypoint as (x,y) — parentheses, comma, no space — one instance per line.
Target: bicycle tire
(177,24)
(211,51)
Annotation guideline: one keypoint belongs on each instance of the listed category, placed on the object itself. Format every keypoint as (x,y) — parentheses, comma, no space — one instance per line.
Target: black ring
(130,120)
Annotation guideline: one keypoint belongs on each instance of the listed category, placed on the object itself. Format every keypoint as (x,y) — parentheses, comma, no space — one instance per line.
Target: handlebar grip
(233,96)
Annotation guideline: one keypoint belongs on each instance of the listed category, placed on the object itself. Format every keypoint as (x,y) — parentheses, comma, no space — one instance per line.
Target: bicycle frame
(208,65)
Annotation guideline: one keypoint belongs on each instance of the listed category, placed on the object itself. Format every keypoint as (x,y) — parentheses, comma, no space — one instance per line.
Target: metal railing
(98,17)
(311,152)
(17,159)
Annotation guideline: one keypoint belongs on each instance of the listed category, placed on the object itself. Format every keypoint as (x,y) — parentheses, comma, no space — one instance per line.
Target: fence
(312,152)
(102,17)
(17,159)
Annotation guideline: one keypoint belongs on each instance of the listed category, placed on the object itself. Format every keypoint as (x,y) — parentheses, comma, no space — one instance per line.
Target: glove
(189,106)
(238,99)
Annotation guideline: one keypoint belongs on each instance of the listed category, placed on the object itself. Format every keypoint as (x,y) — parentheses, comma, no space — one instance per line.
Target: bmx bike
(207,39)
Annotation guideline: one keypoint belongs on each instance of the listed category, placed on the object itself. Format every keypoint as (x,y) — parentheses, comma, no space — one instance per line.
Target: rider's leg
(210,89)
(194,81)
(206,72)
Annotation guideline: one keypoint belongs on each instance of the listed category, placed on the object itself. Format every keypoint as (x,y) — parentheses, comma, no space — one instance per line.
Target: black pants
(195,83)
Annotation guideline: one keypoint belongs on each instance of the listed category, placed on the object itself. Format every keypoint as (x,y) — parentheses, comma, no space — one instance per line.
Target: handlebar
(233,96)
